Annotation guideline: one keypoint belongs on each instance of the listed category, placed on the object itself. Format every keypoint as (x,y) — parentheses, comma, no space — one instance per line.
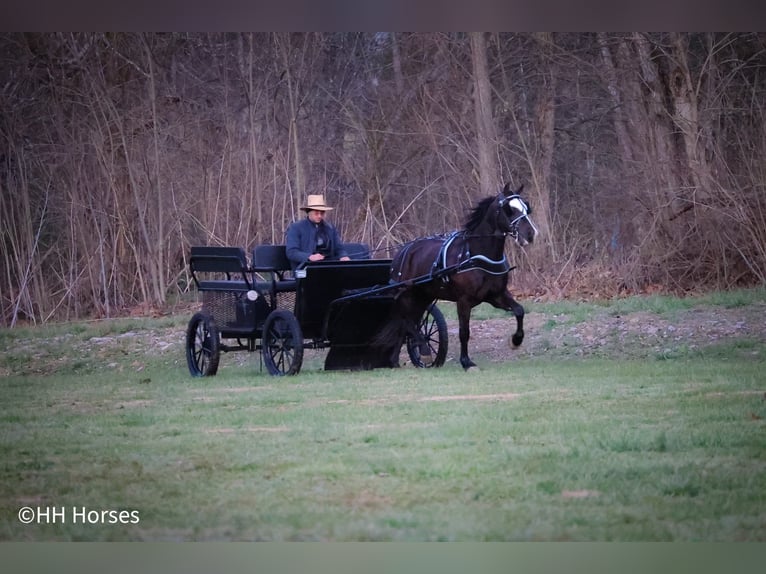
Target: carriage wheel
(428,348)
(203,346)
(282,343)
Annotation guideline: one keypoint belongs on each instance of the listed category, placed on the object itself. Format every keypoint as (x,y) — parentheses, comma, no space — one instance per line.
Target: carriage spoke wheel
(428,347)
(203,346)
(282,343)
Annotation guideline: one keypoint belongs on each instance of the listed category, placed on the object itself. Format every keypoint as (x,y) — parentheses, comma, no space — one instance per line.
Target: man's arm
(293,247)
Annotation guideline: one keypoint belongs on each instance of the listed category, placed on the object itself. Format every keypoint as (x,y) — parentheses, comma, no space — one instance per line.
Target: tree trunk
(687,121)
(156,245)
(485,123)
(293,94)
(542,166)
(613,87)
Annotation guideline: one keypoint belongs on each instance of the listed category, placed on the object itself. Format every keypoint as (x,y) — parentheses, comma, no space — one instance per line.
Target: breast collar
(468,262)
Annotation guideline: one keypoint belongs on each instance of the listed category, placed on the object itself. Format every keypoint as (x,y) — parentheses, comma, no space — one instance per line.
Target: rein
(471,262)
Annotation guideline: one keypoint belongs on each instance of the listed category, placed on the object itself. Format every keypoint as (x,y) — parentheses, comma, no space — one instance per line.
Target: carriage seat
(273,259)
(228,261)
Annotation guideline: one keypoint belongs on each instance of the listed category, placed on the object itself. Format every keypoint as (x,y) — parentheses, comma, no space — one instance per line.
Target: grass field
(535,448)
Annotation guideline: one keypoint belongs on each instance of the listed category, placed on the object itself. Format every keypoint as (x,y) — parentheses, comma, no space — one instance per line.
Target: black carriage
(264,306)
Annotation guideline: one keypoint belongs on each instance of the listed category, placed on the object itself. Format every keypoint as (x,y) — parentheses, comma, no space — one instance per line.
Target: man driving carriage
(314,238)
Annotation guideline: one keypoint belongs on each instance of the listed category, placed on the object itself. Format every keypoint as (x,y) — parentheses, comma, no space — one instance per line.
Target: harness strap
(441,259)
(483,263)
(470,263)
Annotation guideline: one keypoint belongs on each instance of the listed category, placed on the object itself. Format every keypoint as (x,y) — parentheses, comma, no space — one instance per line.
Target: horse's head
(514,216)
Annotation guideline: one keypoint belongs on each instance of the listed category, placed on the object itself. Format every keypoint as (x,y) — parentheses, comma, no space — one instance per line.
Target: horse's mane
(478,213)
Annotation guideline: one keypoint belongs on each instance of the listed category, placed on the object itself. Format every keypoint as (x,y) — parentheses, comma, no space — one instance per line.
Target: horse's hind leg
(464,317)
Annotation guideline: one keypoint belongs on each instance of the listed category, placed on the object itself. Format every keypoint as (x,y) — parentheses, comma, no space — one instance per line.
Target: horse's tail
(388,341)
(407,310)
(407,307)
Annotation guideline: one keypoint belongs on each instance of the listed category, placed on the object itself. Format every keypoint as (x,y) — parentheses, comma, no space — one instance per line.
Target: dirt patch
(579,493)
(247,429)
(418,399)
(91,407)
(223,390)
(640,334)
(367,500)
(493,397)
(382,426)
(631,335)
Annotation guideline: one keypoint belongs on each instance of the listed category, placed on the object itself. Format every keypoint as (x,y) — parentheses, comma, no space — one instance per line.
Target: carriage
(261,305)
(363,310)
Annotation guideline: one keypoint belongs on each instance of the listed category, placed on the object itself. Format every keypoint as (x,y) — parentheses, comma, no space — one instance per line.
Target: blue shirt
(301,241)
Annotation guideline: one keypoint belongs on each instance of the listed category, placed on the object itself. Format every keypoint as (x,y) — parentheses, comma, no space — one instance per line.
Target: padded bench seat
(284,286)
(280,286)
(223,285)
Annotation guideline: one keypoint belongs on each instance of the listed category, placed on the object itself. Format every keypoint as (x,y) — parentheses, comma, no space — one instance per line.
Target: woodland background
(641,154)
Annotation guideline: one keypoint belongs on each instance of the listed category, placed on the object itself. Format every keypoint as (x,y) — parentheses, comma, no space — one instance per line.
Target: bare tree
(486,138)
(641,153)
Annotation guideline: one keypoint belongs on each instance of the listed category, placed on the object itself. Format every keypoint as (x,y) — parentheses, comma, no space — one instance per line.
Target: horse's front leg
(506,301)
(518,312)
(464,331)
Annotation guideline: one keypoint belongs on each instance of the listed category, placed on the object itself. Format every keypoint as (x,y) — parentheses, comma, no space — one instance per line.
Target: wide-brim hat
(316,202)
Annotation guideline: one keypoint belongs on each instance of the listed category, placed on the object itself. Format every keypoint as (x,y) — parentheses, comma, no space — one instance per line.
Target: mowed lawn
(529,449)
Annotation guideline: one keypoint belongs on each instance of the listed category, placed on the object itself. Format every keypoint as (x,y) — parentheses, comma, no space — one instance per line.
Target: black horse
(467,266)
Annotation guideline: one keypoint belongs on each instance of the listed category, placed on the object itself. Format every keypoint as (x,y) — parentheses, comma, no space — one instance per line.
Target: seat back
(271,258)
(357,250)
(219,268)
(218,259)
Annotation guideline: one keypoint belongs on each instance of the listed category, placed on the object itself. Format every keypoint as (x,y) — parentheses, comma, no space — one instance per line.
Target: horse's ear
(507,190)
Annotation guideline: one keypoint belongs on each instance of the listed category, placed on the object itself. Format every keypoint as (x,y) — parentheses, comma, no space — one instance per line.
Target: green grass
(69,347)
(582,311)
(668,444)
(528,450)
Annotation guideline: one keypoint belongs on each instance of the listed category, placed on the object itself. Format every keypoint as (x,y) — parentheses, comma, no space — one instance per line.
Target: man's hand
(345,258)
(316,257)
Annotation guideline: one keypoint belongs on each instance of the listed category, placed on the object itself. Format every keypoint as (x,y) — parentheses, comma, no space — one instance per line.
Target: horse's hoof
(516,340)
(467,364)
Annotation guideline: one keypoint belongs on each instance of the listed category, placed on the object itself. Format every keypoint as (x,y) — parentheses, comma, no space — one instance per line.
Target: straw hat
(316,202)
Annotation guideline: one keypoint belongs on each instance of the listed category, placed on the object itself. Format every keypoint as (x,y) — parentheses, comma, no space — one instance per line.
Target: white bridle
(519,205)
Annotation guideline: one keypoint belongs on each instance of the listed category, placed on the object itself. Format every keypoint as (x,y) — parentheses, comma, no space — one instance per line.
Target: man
(313,238)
